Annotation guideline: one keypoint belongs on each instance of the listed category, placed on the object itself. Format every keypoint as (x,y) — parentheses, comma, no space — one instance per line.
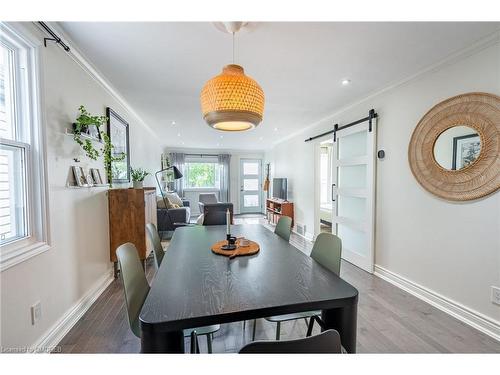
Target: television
(280,188)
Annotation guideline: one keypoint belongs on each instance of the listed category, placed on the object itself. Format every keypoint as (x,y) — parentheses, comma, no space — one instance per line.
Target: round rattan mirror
(454,151)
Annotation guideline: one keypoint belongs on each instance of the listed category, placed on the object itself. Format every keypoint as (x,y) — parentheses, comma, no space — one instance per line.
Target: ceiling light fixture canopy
(232,101)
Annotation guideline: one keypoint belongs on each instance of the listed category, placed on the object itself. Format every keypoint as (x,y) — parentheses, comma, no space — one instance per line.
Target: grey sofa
(167,218)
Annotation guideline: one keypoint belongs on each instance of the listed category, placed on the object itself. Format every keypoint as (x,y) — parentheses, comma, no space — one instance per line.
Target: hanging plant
(83,122)
(82,125)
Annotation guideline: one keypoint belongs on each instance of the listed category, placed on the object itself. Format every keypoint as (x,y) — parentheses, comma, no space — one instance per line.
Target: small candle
(228,222)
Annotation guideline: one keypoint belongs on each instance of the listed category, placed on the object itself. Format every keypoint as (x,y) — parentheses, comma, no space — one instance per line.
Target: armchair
(206,198)
(213,211)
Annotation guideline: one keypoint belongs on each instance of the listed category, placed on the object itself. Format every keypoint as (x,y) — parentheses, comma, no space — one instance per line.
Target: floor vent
(301,229)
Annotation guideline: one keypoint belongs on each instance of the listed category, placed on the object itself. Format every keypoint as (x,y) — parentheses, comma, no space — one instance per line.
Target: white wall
(450,248)
(78,260)
(234,174)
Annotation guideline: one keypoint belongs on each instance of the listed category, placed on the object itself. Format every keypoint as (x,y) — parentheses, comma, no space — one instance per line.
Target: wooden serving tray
(252,248)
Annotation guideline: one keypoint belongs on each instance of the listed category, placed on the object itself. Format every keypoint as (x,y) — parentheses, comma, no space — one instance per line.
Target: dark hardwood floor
(389,321)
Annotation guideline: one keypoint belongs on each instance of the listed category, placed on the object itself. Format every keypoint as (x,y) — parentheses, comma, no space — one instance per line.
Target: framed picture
(118,134)
(90,180)
(96,176)
(93,132)
(80,178)
(466,149)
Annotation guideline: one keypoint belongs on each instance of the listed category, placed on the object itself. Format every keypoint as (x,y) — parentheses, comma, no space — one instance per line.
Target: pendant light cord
(233,47)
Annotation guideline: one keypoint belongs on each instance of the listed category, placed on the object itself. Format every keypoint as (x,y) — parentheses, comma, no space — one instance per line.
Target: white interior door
(353,192)
(325,186)
(250,186)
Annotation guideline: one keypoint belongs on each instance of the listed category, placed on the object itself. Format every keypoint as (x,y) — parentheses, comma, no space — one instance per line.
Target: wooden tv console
(275,208)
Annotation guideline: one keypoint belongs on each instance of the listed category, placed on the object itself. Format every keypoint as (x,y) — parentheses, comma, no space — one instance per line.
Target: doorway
(325,186)
(250,186)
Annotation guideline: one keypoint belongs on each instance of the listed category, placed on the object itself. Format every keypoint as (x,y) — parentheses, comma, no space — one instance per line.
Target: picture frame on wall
(96,176)
(79,174)
(118,132)
(94,133)
(90,131)
(466,149)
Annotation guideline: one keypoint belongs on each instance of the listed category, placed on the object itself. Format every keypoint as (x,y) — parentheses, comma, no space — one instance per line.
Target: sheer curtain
(224,160)
(177,159)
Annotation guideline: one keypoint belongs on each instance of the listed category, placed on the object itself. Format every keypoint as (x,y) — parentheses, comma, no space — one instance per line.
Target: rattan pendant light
(232,101)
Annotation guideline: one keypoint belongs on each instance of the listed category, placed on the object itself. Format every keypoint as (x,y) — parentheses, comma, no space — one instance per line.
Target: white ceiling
(160,68)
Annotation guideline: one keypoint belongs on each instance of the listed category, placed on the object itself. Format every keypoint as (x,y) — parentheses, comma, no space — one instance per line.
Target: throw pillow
(174,198)
(161,204)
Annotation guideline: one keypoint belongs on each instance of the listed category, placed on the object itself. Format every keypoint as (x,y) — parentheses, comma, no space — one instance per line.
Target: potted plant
(138,176)
(83,123)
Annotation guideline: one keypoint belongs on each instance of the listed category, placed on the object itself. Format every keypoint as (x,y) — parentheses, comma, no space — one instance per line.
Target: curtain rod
(371,115)
(202,155)
(55,37)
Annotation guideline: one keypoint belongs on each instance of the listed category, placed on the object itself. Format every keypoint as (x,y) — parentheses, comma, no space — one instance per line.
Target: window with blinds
(14,151)
(23,189)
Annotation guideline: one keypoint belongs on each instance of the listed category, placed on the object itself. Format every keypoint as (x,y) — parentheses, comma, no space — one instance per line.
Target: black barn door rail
(371,115)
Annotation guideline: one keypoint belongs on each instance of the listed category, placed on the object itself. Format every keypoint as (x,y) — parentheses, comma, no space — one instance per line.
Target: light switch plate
(495,295)
(36,312)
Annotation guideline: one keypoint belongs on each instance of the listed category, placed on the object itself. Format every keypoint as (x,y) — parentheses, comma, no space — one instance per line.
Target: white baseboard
(56,333)
(307,236)
(464,314)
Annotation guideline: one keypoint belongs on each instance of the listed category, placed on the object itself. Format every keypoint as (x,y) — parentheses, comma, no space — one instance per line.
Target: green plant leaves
(83,121)
(138,174)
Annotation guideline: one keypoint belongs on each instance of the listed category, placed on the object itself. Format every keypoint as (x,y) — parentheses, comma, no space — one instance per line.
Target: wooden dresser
(275,208)
(129,212)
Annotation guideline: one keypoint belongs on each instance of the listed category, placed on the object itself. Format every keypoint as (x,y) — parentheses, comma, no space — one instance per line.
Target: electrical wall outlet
(495,295)
(36,312)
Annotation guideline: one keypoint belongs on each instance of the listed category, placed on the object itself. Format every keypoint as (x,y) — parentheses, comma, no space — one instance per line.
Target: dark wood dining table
(195,287)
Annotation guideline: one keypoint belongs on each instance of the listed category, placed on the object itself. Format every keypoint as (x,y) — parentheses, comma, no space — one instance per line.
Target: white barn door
(353,192)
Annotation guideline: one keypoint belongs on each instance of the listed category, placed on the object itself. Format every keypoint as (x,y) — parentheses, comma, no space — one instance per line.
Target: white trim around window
(31,130)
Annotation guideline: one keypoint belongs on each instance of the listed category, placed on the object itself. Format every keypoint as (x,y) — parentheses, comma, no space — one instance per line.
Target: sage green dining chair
(154,237)
(284,227)
(136,289)
(327,251)
(325,342)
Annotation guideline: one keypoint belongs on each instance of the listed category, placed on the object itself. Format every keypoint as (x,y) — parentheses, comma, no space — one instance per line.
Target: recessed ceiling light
(275,129)
(218,144)
(178,134)
(221,136)
(345,82)
(182,142)
(173,122)
(261,138)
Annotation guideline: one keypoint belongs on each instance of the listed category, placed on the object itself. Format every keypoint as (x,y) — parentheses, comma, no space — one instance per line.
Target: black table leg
(162,342)
(343,320)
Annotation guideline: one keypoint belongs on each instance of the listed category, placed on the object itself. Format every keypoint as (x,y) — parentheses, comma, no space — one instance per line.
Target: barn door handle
(333,200)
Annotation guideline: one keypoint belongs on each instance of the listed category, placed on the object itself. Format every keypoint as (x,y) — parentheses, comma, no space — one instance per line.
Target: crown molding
(476,47)
(93,72)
